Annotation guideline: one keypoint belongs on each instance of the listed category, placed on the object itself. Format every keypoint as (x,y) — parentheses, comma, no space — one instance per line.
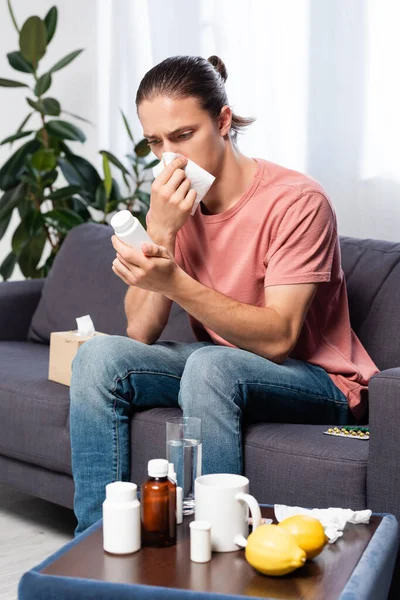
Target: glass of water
(184,450)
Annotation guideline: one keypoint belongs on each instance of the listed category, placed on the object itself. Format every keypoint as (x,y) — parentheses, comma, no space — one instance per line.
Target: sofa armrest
(18,302)
(383,476)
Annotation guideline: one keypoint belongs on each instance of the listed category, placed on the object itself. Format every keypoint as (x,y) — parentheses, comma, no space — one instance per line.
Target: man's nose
(171,147)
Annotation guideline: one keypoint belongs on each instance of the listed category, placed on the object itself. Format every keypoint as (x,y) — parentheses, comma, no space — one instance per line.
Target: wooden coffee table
(361,562)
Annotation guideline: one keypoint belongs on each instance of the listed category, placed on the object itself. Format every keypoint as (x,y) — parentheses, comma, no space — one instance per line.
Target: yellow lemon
(272,550)
(308,532)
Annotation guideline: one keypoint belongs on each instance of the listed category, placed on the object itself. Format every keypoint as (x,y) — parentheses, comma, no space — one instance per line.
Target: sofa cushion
(285,463)
(372,270)
(299,465)
(34,412)
(290,464)
(82,282)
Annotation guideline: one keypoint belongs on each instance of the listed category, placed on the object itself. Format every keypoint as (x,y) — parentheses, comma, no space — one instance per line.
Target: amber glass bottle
(158,502)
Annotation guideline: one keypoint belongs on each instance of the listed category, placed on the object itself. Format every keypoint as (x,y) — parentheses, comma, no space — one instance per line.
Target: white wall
(320,76)
(75,86)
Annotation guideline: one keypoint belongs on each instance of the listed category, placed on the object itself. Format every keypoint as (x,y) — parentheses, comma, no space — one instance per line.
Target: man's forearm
(258,329)
(147,312)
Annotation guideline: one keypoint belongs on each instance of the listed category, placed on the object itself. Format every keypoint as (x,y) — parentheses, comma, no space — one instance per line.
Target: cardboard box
(63,347)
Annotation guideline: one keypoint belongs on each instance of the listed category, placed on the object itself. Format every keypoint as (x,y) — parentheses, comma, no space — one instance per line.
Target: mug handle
(255,511)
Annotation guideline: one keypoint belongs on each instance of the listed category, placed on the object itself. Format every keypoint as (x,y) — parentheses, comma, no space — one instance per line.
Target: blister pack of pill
(354,433)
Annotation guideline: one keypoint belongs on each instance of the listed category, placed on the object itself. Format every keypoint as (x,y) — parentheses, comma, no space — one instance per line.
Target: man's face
(180,125)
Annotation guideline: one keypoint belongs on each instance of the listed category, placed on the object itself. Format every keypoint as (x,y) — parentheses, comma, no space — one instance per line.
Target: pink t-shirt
(282,231)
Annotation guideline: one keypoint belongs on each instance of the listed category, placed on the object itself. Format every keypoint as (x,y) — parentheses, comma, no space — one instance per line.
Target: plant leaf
(101,197)
(142,219)
(4,224)
(32,40)
(65,131)
(25,205)
(31,172)
(12,169)
(143,197)
(111,206)
(115,161)
(47,106)
(64,148)
(64,192)
(44,160)
(51,107)
(43,84)
(19,63)
(107,176)
(8,265)
(20,237)
(24,122)
(11,83)
(65,61)
(62,219)
(36,104)
(151,164)
(30,226)
(45,269)
(30,181)
(142,149)
(128,129)
(31,254)
(16,136)
(77,117)
(50,22)
(80,172)
(79,207)
(49,178)
(13,19)
(115,192)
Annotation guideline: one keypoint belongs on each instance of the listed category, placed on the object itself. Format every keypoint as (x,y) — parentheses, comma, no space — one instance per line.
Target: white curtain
(320,76)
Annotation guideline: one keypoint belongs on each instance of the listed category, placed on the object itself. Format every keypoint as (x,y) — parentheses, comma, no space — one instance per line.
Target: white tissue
(333,520)
(201,180)
(85,325)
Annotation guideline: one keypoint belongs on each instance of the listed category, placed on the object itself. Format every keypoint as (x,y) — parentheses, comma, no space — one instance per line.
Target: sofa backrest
(372,271)
(81,282)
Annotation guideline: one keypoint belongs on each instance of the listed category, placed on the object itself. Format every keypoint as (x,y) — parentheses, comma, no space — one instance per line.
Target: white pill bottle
(121,518)
(129,229)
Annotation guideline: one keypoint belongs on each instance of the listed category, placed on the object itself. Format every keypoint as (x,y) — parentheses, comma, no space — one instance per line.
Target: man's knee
(208,377)
(219,363)
(100,356)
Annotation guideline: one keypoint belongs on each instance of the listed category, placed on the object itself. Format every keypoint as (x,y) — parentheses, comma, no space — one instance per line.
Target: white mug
(223,500)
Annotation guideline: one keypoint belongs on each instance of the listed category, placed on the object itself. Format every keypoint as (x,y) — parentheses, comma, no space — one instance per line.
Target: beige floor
(30,530)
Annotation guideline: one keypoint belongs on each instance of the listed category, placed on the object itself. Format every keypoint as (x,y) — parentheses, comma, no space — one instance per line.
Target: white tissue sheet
(85,325)
(333,520)
(201,180)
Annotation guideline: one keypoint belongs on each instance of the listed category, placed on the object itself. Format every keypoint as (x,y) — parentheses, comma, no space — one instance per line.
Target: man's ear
(225,120)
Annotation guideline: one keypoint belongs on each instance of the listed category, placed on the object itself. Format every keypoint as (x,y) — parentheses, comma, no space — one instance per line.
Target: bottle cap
(157,467)
(200,525)
(121,491)
(122,221)
(171,472)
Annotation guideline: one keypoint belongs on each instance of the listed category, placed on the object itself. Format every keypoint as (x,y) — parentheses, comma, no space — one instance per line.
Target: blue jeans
(114,375)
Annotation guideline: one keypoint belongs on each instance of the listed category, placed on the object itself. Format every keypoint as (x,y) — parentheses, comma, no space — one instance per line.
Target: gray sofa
(294,464)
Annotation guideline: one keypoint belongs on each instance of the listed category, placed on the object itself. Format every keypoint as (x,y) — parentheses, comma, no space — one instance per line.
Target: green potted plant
(30,178)
(135,176)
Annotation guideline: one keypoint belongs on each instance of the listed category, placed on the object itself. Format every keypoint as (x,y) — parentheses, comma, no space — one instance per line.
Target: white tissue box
(63,347)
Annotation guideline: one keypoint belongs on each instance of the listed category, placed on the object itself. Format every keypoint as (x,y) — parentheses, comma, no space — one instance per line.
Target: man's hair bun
(219,66)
